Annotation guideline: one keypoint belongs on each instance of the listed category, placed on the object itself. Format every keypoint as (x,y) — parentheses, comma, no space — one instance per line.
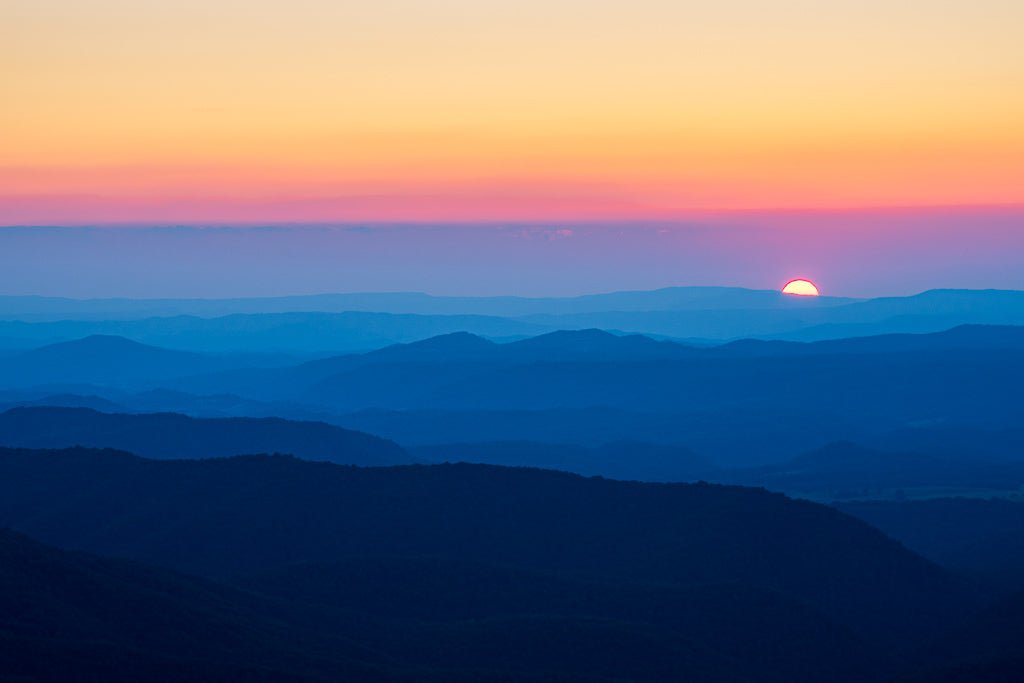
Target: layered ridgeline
(223,517)
(838,471)
(347,322)
(317,572)
(114,361)
(977,536)
(751,402)
(40,308)
(844,471)
(988,647)
(72,616)
(170,436)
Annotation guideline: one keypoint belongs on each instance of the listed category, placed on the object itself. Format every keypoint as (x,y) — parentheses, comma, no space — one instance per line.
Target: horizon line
(852,299)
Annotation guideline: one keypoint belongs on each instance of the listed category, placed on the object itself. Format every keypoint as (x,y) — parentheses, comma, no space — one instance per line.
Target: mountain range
(334,323)
(703,484)
(239,516)
(171,436)
(670,298)
(585,387)
(315,572)
(836,471)
(78,616)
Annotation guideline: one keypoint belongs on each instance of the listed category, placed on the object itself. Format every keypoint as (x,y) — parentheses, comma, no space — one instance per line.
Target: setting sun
(801,288)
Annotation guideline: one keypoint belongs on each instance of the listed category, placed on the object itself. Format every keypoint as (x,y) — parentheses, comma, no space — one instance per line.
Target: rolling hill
(617,460)
(846,470)
(71,616)
(74,616)
(747,403)
(110,361)
(352,322)
(173,436)
(977,537)
(223,517)
(298,333)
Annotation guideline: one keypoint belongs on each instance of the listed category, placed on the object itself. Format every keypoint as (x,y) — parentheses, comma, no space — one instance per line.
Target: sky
(875,145)
(846,254)
(120,111)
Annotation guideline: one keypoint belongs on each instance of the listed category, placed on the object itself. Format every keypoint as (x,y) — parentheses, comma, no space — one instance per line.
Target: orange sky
(148,110)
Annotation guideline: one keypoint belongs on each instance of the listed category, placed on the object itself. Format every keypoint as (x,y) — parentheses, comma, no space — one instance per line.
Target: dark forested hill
(837,471)
(72,616)
(616,460)
(974,536)
(988,648)
(228,516)
(168,435)
(492,614)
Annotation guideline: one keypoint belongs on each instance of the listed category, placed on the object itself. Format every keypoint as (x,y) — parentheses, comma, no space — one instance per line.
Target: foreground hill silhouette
(502,616)
(224,517)
(73,616)
(987,648)
(168,435)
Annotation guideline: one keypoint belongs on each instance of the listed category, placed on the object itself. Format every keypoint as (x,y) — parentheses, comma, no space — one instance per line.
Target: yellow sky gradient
(668,105)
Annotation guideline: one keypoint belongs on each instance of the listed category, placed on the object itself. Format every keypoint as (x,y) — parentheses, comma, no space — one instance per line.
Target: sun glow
(801,288)
(256,111)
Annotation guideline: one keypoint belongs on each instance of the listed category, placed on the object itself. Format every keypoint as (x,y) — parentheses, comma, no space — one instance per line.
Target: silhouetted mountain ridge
(108,360)
(668,298)
(961,337)
(72,616)
(239,515)
(174,436)
(617,460)
(973,536)
(347,323)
